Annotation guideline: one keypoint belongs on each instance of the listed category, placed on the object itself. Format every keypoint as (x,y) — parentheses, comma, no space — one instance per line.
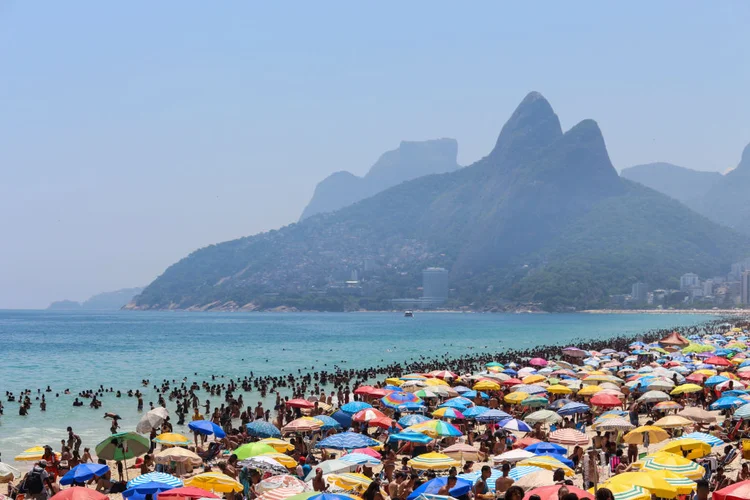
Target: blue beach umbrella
(715,380)
(411,437)
(462,389)
(431,487)
(493,416)
(742,412)
(412,407)
(155,477)
(726,402)
(494,474)
(734,392)
(558,403)
(330,496)
(328,422)
(524,470)
(342,418)
(513,424)
(207,427)
(473,394)
(455,404)
(544,448)
(82,473)
(355,406)
(262,429)
(573,408)
(558,456)
(409,420)
(474,411)
(140,491)
(706,438)
(360,459)
(346,441)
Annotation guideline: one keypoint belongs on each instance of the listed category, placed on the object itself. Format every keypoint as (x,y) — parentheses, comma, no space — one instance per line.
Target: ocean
(79,351)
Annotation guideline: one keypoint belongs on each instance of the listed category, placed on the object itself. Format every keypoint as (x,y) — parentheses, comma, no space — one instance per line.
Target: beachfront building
(639,293)
(745,288)
(688,281)
(435,284)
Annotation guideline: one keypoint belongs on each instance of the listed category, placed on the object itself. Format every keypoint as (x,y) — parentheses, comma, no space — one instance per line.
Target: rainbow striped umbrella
(396,399)
(173,439)
(451,413)
(433,461)
(435,428)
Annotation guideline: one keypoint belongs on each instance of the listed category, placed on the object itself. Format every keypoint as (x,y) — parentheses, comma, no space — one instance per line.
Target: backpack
(34,482)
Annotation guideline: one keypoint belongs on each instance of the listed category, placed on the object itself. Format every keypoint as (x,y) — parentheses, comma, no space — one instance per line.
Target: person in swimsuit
(481,488)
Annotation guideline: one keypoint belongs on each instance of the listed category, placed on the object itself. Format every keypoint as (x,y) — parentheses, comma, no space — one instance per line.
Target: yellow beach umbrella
(33,454)
(173,439)
(486,385)
(684,485)
(706,372)
(547,462)
(655,435)
(283,459)
(394,381)
(214,481)
(350,481)
(515,398)
(559,389)
(277,444)
(672,422)
(433,461)
(589,390)
(657,486)
(681,389)
(671,461)
(432,382)
(533,379)
(695,447)
(625,491)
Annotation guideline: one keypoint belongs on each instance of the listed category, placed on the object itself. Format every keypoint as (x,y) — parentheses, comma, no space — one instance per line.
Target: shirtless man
(318,482)
(481,488)
(503,482)
(450,483)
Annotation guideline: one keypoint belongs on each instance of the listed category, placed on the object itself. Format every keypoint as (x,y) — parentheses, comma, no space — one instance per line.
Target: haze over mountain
(106,301)
(680,183)
(409,161)
(543,218)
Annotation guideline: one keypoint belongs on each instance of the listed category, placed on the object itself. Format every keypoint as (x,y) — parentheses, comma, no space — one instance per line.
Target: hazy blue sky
(132,133)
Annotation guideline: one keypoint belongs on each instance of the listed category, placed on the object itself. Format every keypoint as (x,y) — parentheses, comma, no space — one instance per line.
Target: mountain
(543,218)
(409,161)
(107,301)
(680,183)
(724,202)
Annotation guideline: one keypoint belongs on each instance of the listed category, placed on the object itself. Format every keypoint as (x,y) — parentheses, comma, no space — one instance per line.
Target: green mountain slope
(544,217)
(682,184)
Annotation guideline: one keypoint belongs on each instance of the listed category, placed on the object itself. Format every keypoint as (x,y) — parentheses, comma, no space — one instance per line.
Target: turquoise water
(84,350)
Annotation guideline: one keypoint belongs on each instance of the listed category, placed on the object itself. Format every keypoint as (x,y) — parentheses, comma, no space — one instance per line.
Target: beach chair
(211,453)
(580,426)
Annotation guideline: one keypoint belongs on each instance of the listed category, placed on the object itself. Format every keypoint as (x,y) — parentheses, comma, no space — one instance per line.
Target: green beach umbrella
(535,402)
(122,446)
(253,450)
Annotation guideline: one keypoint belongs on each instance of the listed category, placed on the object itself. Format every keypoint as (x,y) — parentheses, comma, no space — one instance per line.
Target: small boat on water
(408,314)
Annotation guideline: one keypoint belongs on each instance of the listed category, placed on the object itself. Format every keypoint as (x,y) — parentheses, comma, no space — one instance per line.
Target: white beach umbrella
(512,456)
(152,420)
(654,397)
(543,416)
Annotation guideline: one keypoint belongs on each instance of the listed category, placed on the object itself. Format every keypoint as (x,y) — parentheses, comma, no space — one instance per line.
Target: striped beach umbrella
(433,461)
(450,413)
(657,486)
(155,477)
(328,422)
(492,416)
(573,408)
(361,459)
(626,491)
(396,399)
(569,437)
(281,493)
(347,441)
(706,438)
(436,428)
(513,424)
(673,462)
(173,439)
(548,462)
(367,415)
(543,416)
(303,424)
(263,429)
(413,419)
(612,424)
(278,482)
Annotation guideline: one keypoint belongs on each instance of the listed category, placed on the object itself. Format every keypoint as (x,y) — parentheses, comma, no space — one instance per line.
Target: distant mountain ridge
(680,183)
(544,218)
(106,301)
(412,159)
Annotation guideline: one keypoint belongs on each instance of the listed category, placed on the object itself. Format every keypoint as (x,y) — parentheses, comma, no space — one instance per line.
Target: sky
(132,133)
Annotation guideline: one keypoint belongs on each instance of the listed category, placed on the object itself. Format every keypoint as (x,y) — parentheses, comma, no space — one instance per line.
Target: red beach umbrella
(736,491)
(79,493)
(512,381)
(382,422)
(524,442)
(364,389)
(605,400)
(717,361)
(367,414)
(185,492)
(300,403)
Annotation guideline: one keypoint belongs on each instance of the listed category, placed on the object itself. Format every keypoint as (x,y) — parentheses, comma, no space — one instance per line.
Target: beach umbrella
(462,452)
(181,455)
(548,462)
(543,416)
(613,424)
(79,493)
(726,402)
(425,394)
(535,402)
(474,411)
(215,481)
(668,405)
(122,446)
(542,447)
(350,481)
(589,390)
(486,385)
(252,450)
(436,428)
(300,403)
(736,491)
(655,435)
(443,374)
(413,419)
(361,459)
(331,466)
(671,461)
(515,398)
(396,399)
(283,493)
(432,487)
(264,463)
(512,456)
(281,458)
(344,419)
(367,414)
(355,406)
(626,491)
(187,492)
(433,461)
(538,362)
(656,486)
(149,488)
(715,380)
(492,416)
(173,439)
(706,438)
(569,437)
(263,429)
(330,422)
(8,472)
(32,454)
(559,389)
(684,485)
(279,445)
(302,424)
(456,403)
(698,415)
(346,441)
(411,437)
(206,428)
(672,422)
(718,361)
(653,397)
(550,492)
(155,477)
(364,389)
(451,413)
(695,447)
(513,424)
(471,394)
(282,481)
(685,388)
(324,496)
(152,420)
(82,473)
(605,401)
(573,408)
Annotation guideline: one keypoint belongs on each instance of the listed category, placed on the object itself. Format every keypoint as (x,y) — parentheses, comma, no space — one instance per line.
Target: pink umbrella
(538,362)
(367,451)
(569,437)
